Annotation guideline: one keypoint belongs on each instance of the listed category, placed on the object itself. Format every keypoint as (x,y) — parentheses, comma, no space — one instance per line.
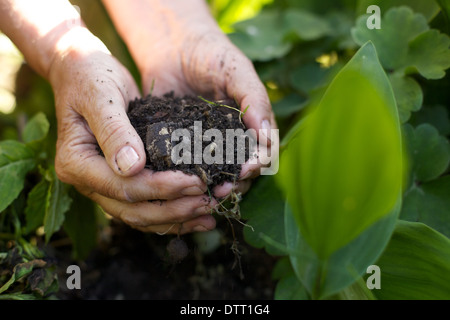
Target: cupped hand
(206,63)
(92,90)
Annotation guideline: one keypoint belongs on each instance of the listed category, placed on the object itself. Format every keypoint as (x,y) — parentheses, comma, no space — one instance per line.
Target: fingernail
(200,228)
(126,158)
(192,191)
(265,126)
(247,175)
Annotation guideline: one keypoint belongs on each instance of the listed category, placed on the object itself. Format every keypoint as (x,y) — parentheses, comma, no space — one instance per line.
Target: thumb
(123,148)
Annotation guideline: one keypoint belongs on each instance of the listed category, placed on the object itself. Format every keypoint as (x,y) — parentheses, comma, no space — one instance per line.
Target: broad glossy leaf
(325,277)
(36,129)
(429,203)
(429,152)
(415,264)
(16,160)
(343,172)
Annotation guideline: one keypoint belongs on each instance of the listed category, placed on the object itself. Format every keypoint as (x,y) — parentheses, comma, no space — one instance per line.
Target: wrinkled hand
(92,90)
(208,64)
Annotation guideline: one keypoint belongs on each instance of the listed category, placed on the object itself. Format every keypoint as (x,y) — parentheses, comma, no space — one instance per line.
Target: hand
(178,45)
(92,90)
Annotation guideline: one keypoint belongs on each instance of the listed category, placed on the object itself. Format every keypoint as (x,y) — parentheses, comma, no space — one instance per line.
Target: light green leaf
(429,152)
(36,129)
(391,41)
(408,95)
(428,8)
(415,264)
(343,172)
(16,160)
(411,48)
(429,203)
(430,54)
(58,204)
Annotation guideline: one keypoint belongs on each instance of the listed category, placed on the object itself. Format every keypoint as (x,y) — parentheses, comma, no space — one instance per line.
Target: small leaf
(37,204)
(408,95)
(36,129)
(58,204)
(306,25)
(430,54)
(429,203)
(81,225)
(16,160)
(415,264)
(429,152)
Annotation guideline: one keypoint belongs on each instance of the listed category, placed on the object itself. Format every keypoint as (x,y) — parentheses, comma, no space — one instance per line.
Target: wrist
(72,47)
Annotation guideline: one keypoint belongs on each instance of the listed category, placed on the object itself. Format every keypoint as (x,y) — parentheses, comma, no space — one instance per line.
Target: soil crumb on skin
(156,118)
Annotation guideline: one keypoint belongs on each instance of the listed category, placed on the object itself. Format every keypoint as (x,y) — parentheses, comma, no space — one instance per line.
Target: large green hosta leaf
(344,172)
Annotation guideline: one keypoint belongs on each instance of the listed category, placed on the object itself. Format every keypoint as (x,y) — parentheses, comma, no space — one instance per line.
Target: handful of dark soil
(157,118)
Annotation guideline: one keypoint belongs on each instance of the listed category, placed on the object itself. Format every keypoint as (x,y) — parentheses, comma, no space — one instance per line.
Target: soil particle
(158,120)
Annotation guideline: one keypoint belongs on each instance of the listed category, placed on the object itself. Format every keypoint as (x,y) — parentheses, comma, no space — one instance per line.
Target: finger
(106,114)
(77,162)
(200,224)
(244,85)
(227,188)
(264,162)
(147,214)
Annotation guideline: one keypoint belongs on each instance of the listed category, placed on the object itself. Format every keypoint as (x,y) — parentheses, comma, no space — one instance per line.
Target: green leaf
(324,278)
(263,207)
(429,203)
(408,95)
(36,129)
(437,116)
(37,204)
(288,105)
(16,160)
(430,54)
(415,264)
(343,172)
(81,226)
(391,41)
(429,152)
(262,38)
(411,48)
(306,25)
(428,8)
(58,204)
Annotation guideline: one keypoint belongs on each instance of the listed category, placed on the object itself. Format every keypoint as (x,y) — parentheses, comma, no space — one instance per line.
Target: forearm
(159,26)
(41,28)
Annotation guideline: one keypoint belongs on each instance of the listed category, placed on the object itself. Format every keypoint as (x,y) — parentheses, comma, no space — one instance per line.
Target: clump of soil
(156,118)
